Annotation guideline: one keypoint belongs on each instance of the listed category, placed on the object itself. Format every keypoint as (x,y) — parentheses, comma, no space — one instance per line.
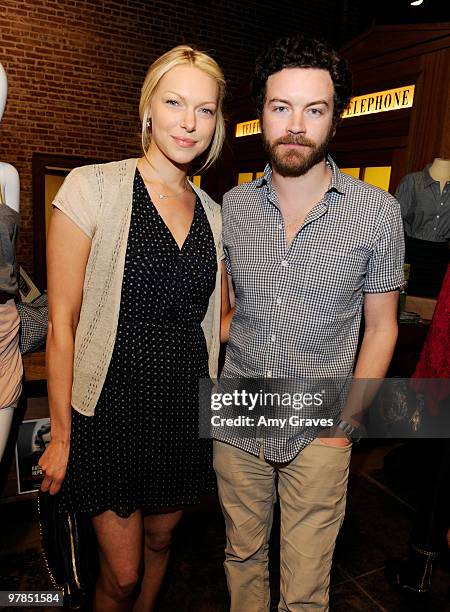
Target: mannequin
(424,198)
(440,171)
(11,368)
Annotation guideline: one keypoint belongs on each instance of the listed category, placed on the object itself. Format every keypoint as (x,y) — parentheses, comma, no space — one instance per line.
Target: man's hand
(342,441)
(334,437)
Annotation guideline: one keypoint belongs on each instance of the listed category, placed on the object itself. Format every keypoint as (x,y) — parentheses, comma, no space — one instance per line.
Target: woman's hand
(54,465)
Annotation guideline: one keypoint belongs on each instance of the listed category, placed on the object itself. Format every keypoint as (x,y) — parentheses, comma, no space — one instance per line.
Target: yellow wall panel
(245,177)
(351,172)
(378,176)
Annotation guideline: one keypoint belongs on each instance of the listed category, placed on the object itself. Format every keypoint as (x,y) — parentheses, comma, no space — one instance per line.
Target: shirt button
(273,338)
(279,301)
(284,263)
(269,373)
(434,228)
(437,216)
(280,226)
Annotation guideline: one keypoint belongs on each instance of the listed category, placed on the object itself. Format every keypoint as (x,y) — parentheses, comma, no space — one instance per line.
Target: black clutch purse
(70,551)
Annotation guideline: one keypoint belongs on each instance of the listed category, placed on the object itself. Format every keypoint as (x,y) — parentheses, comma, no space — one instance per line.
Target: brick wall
(75,68)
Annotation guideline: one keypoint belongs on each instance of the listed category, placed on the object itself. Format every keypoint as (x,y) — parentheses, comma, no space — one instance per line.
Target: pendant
(161,197)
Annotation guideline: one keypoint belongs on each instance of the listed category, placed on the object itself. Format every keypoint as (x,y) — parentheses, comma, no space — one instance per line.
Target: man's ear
(333,131)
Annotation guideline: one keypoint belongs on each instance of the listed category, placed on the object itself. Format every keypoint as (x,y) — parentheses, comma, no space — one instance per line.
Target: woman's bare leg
(158,529)
(120,552)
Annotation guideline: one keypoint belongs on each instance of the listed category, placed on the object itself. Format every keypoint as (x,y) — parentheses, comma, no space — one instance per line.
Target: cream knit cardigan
(98,199)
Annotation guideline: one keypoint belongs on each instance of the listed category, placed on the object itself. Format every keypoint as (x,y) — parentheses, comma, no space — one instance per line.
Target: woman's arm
(67,253)
(227,310)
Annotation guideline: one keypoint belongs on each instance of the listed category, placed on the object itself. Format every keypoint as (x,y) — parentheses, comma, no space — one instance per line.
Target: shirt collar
(336,184)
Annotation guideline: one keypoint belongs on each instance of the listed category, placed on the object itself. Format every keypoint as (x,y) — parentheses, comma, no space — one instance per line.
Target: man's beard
(295,162)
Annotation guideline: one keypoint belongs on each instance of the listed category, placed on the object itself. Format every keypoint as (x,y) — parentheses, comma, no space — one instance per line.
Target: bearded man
(309,250)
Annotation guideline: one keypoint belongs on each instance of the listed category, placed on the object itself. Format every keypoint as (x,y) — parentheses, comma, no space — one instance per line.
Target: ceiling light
(417,3)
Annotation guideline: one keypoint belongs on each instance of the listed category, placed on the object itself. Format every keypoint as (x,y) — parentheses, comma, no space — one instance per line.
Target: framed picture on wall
(28,290)
(34,435)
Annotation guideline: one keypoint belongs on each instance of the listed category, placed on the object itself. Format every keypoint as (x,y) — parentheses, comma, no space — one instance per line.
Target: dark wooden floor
(377,527)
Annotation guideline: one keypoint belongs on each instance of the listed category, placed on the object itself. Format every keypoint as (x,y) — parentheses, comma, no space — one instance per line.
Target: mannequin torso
(9,210)
(11,370)
(424,198)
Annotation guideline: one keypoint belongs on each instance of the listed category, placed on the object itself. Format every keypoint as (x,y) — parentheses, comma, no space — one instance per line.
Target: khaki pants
(312,491)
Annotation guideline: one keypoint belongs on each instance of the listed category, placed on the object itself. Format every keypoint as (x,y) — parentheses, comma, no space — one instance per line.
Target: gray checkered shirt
(299,307)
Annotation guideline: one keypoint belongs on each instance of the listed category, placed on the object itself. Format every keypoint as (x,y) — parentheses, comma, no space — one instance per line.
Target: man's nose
(296,124)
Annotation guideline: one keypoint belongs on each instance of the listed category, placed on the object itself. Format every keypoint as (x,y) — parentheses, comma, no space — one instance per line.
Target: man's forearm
(376,352)
(373,362)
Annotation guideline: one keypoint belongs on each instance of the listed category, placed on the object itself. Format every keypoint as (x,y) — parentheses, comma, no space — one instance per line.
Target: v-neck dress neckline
(151,204)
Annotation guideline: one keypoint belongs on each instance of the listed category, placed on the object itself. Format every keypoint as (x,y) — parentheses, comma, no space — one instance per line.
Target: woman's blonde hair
(178,56)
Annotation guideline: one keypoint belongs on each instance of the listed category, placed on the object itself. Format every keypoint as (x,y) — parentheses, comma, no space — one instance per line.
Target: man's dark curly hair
(302,52)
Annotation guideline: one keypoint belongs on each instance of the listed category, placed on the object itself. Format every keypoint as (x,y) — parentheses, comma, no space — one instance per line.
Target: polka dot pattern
(141,449)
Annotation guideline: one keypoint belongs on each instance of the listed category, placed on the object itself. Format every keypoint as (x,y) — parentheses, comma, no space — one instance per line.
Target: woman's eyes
(203,110)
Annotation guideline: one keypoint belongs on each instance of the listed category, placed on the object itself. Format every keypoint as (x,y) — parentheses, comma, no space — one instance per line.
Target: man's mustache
(297,140)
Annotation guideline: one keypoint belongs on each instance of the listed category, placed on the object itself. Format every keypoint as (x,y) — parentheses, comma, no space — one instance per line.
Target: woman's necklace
(163,196)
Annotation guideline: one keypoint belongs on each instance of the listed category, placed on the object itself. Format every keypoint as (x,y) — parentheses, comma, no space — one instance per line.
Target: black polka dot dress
(141,449)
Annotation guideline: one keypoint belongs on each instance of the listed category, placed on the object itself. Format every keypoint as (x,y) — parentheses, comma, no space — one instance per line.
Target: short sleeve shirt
(425,209)
(9,226)
(299,307)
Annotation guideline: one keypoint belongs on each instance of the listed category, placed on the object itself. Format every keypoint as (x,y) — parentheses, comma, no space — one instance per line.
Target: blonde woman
(134,283)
